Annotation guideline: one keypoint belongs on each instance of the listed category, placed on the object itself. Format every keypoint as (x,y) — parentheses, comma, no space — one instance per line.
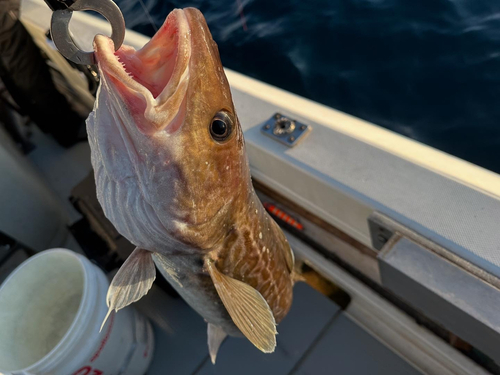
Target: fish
(172,175)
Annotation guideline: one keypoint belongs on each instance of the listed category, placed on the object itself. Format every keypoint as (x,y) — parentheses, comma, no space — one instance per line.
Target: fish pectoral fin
(216,336)
(247,308)
(132,281)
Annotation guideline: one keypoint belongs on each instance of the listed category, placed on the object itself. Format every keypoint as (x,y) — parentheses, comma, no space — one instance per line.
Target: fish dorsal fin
(132,281)
(215,337)
(247,308)
(286,249)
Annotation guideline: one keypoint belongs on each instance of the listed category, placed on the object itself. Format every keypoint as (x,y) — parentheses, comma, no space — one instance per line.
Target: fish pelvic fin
(216,336)
(246,307)
(132,281)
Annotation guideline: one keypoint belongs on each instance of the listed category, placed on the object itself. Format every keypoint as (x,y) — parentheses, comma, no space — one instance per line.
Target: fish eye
(221,126)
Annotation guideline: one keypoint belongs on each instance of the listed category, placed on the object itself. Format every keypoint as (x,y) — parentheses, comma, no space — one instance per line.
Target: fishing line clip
(59,26)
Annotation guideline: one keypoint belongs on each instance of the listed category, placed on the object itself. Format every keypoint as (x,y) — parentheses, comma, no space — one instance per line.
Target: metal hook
(59,28)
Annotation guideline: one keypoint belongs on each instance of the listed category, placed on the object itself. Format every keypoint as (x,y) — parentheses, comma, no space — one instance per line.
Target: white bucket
(51,309)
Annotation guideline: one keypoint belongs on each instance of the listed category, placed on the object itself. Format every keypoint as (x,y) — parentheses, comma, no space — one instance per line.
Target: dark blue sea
(427,69)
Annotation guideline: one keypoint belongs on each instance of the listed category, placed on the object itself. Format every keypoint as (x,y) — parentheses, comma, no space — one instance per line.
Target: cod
(172,175)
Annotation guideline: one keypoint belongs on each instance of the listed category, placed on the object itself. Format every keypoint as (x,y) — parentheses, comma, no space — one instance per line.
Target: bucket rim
(66,342)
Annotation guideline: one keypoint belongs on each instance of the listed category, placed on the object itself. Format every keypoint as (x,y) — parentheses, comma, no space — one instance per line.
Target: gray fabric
(27,78)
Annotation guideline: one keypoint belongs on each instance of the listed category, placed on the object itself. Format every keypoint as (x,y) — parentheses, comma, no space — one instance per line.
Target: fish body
(172,175)
(245,255)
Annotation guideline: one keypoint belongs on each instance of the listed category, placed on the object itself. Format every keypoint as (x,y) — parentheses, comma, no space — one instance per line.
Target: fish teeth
(123,65)
(125,69)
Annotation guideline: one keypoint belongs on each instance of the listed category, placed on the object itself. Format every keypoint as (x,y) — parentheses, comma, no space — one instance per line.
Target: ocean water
(427,69)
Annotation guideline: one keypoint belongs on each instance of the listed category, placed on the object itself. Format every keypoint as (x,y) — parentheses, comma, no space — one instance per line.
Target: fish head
(167,147)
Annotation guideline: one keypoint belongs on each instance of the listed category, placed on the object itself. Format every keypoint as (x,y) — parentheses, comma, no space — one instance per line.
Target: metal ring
(59,28)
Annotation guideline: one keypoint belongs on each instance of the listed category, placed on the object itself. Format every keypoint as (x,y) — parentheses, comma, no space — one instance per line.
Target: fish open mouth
(153,80)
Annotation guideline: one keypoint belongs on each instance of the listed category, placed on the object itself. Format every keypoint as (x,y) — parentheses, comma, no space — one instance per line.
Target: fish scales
(244,257)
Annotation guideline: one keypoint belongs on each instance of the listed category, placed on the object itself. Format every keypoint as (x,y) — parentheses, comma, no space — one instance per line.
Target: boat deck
(315,338)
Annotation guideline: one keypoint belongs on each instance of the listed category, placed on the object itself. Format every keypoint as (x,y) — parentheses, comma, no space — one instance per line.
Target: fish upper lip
(153,80)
